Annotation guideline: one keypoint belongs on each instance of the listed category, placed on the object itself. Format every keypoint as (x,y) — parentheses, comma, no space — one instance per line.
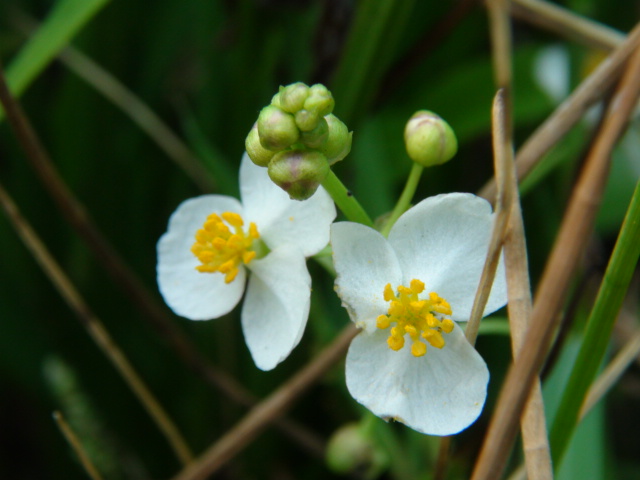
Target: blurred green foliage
(207,68)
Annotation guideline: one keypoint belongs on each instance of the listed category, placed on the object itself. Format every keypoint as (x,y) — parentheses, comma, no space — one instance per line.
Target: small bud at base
(429,140)
(298,172)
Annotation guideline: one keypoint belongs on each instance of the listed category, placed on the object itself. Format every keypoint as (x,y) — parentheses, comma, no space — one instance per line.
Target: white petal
(281,220)
(440,393)
(276,307)
(443,242)
(189,293)
(365,263)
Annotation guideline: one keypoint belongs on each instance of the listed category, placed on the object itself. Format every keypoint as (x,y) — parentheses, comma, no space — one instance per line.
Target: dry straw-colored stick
(125,278)
(572,237)
(566,24)
(94,327)
(76,445)
(218,454)
(627,354)
(554,128)
(533,423)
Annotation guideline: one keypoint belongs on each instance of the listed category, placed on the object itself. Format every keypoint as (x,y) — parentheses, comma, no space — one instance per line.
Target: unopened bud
(306,120)
(429,139)
(277,129)
(292,97)
(320,100)
(257,153)
(317,137)
(351,450)
(298,172)
(338,144)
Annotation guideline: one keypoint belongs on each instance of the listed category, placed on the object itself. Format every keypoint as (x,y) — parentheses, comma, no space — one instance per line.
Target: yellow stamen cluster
(419,318)
(219,249)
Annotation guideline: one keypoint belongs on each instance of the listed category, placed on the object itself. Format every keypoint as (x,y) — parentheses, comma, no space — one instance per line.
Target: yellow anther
(417,286)
(383,321)
(418,349)
(221,250)
(233,219)
(421,319)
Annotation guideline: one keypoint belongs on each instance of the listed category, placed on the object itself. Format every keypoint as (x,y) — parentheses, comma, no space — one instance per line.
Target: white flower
(209,285)
(436,384)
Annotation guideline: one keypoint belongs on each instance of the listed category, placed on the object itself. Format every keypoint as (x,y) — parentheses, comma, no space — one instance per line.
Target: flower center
(221,250)
(419,318)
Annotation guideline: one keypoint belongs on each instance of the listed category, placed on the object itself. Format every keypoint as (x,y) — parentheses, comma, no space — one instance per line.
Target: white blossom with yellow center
(411,361)
(213,240)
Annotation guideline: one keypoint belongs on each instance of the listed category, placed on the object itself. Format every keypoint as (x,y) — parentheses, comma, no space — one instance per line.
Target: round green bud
(317,137)
(292,97)
(257,153)
(338,143)
(429,139)
(275,100)
(320,100)
(350,450)
(306,120)
(298,172)
(277,129)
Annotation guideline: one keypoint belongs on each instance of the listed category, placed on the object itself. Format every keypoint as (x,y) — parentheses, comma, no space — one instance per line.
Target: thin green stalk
(66,19)
(598,330)
(345,200)
(405,198)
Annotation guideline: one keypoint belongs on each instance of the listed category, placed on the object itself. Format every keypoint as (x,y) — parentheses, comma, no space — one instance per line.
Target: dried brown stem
(573,235)
(124,277)
(264,413)
(612,373)
(77,447)
(592,89)
(566,24)
(94,327)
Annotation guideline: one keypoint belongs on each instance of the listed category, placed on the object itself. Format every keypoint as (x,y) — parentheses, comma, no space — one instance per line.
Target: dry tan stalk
(77,447)
(125,278)
(231,443)
(94,327)
(566,24)
(612,373)
(574,232)
(592,89)
(533,422)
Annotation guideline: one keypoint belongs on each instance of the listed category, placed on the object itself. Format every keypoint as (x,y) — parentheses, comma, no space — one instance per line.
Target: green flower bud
(320,100)
(292,97)
(307,120)
(298,172)
(429,139)
(338,144)
(277,129)
(257,153)
(351,450)
(317,137)
(275,100)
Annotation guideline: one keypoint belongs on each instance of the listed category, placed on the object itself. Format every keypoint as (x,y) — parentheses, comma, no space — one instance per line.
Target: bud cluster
(297,138)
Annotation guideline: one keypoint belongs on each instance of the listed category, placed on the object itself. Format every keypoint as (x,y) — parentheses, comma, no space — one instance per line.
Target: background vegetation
(205,68)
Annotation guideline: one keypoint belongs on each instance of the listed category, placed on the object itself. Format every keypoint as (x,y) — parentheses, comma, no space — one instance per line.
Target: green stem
(405,199)
(598,330)
(345,200)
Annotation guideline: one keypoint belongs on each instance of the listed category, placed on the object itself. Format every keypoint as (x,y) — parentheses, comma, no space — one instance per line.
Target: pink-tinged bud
(298,172)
